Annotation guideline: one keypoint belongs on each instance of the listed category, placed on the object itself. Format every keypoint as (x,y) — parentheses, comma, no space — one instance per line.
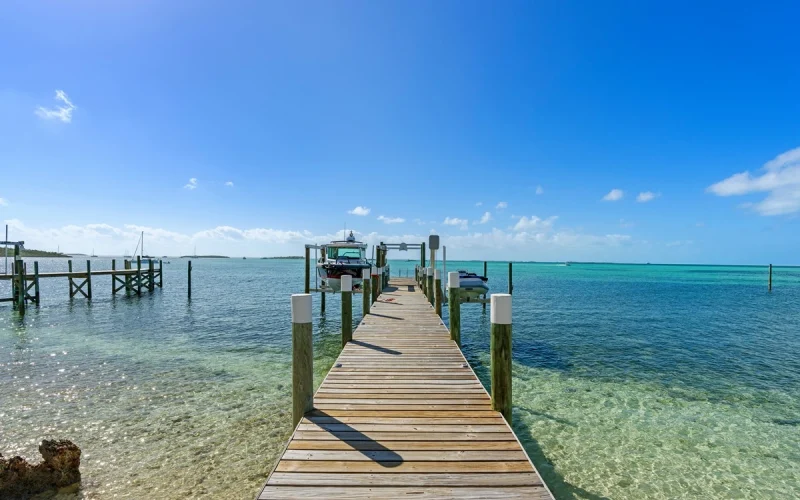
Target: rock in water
(59,468)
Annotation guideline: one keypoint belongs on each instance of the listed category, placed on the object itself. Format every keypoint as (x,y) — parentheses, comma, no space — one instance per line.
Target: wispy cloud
(229,184)
(487,216)
(539,190)
(455,221)
(680,243)
(614,195)
(391,220)
(192,184)
(700,224)
(479,204)
(359,210)
(646,196)
(626,223)
(3,202)
(779,177)
(534,223)
(502,205)
(61,112)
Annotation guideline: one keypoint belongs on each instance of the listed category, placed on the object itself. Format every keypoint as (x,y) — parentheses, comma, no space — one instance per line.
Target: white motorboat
(339,258)
(472,286)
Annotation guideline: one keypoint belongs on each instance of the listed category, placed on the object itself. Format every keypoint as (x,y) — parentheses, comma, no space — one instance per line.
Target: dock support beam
(454,304)
(190,280)
(21,288)
(36,281)
(347,309)
(302,358)
(485,275)
(366,292)
(89,279)
(431,295)
(437,293)
(71,285)
(500,352)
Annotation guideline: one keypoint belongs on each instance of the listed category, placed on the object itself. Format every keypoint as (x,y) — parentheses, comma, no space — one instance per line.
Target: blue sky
(417,111)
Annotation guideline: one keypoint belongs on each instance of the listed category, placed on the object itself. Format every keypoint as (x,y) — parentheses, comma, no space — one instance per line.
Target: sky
(547,131)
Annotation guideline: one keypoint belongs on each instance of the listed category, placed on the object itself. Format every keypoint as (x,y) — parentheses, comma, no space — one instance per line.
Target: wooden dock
(402,415)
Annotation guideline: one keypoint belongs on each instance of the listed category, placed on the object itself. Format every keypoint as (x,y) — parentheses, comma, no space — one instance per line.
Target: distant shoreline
(204,257)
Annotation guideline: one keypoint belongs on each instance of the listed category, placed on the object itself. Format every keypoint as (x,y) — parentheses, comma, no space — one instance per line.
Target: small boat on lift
(339,258)
(472,286)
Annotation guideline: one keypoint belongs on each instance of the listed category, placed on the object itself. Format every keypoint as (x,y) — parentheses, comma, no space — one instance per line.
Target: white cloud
(359,210)
(502,205)
(539,190)
(534,223)
(614,195)
(646,196)
(192,184)
(455,221)
(487,216)
(3,202)
(479,204)
(626,223)
(391,220)
(229,184)
(62,112)
(779,177)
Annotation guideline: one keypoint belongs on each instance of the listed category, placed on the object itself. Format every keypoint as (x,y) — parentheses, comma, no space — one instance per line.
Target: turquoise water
(629,381)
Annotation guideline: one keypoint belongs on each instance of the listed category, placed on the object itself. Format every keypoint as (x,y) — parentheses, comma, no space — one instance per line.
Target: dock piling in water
(366,292)
(190,279)
(347,309)
(36,281)
(500,353)
(485,275)
(302,357)
(437,294)
(89,279)
(454,304)
(770,277)
(510,279)
(429,286)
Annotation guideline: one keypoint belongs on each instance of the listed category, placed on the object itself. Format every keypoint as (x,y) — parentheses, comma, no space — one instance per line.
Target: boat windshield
(335,253)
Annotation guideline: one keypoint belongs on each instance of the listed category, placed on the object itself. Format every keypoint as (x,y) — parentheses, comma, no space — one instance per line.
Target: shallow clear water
(629,381)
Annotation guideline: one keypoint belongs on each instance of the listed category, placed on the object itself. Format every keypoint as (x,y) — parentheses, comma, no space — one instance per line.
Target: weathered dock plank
(401,414)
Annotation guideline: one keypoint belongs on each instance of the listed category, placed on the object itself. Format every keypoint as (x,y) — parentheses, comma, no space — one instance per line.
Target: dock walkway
(402,415)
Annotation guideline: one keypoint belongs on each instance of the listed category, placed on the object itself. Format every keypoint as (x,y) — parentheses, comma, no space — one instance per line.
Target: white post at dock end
(301,308)
(347,283)
(365,274)
(453,280)
(501,309)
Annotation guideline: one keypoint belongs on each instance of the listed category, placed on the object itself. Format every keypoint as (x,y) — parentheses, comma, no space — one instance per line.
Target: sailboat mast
(142,244)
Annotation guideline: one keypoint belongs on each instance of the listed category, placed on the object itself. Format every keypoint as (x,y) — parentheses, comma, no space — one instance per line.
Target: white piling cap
(424,271)
(380,270)
(347,283)
(365,274)
(453,281)
(374,270)
(501,309)
(301,308)
(430,271)
(437,274)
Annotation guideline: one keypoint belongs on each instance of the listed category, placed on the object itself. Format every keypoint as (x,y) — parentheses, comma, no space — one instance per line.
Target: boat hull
(472,288)
(331,275)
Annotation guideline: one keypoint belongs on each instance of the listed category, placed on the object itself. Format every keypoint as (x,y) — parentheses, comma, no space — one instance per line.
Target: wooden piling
(302,358)
(308,271)
(375,285)
(423,278)
(485,274)
(422,255)
(160,274)
(322,304)
(128,287)
(366,292)
(437,284)
(89,279)
(431,294)
(36,281)
(21,288)
(190,280)
(139,274)
(454,305)
(71,284)
(113,277)
(510,279)
(770,277)
(500,353)
(151,280)
(347,309)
